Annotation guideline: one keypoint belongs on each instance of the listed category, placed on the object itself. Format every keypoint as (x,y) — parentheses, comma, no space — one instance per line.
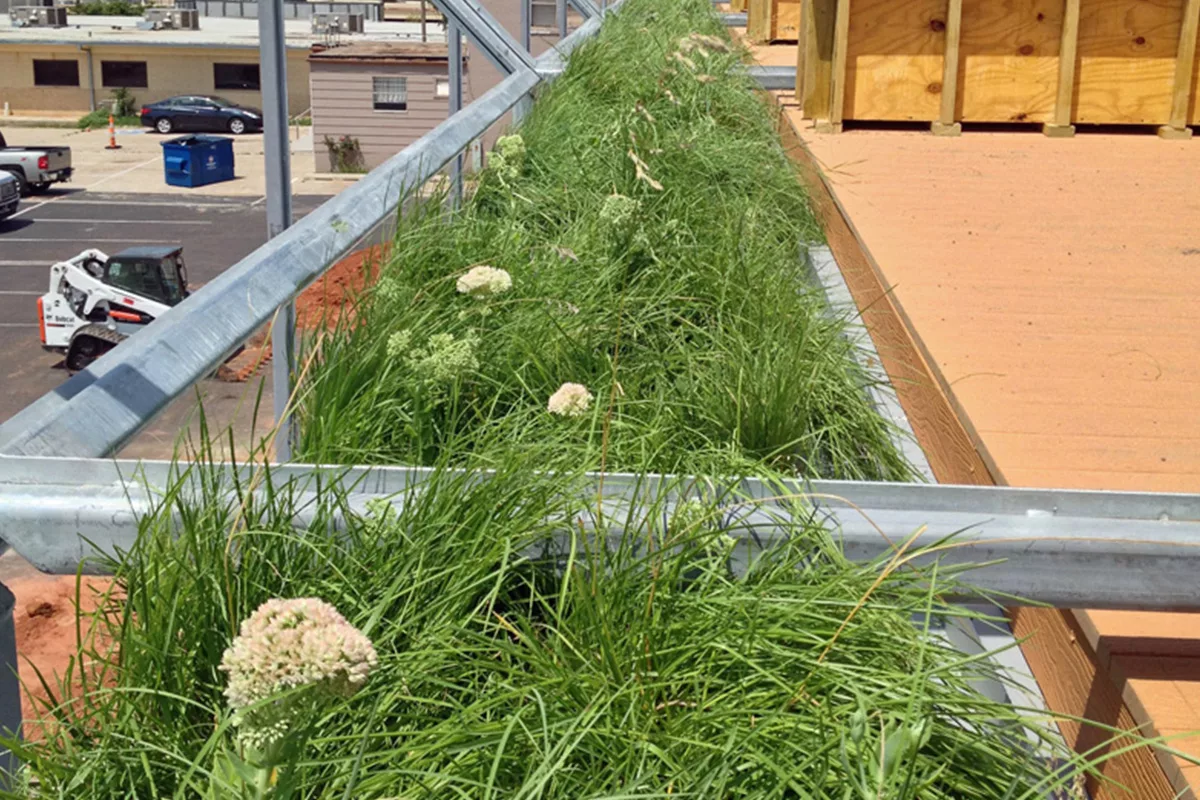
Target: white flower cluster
(618,210)
(288,645)
(571,400)
(508,159)
(484,281)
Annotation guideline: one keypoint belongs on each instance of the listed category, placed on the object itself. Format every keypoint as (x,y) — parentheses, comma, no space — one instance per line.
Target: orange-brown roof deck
(1035,302)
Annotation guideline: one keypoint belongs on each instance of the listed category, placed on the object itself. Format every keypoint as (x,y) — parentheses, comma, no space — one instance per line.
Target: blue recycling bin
(197,160)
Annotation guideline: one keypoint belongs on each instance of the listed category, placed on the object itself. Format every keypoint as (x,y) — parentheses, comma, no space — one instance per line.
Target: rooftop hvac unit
(184,19)
(38,16)
(329,23)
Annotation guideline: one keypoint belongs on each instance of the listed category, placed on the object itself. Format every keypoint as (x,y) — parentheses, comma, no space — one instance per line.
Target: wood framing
(1176,127)
(945,124)
(815,58)
(1073,678)
(773,21)
(1055,62)
(1061,125)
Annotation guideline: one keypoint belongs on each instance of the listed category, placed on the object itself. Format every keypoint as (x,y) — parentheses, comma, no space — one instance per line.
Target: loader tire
(89,343)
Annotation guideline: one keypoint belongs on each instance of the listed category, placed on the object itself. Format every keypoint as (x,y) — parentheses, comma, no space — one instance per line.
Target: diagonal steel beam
(492,38)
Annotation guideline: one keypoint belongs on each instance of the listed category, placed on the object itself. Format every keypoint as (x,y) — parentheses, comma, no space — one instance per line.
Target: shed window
(236,76)
(390,94)
(441,88)
(55,73)
(123,73)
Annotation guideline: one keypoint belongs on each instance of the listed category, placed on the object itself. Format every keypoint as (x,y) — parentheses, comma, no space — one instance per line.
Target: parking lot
(215,232)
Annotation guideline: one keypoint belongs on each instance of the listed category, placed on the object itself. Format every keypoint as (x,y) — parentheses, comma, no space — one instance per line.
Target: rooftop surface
(214,32)
(383,51)
(1051,283)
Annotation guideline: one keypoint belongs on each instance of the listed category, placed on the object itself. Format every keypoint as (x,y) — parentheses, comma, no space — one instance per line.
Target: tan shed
(382,95)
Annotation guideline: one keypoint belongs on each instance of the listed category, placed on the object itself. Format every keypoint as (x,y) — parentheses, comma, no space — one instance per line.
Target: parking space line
(162,203)
(23,263)
(87,188)
(20,292)
(58,239)
(125,221)
(18,324)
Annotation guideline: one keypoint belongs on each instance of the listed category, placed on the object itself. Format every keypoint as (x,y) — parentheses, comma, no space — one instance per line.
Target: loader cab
(154,273)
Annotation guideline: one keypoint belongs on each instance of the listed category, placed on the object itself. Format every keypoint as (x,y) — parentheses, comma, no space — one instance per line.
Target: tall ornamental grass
(647,229)
(516,656)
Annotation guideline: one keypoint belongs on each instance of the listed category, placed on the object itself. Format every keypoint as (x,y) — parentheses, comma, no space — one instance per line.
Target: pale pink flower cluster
(286,645)
(571,400)
(484,281)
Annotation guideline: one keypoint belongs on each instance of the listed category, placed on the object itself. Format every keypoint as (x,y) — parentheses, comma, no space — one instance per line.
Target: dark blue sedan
(201,113)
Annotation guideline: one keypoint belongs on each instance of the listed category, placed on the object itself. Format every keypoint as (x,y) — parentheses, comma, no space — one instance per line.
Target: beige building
(69,70)
(381,96)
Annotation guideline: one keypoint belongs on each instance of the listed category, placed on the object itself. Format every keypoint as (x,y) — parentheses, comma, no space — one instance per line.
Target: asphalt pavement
(215,232)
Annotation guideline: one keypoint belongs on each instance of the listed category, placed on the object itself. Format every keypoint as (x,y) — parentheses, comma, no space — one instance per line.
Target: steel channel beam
(734,19)
(277,157)
(778,78)
(487,34)
(1071,549)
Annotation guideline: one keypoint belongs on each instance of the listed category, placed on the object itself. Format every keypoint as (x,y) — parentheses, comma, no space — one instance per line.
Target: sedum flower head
(483,281)
(618,210)
(571,400)
(289,645)
(508,159)
(444,358)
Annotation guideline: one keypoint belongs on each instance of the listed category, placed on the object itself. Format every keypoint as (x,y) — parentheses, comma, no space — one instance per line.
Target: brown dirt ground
(321,305)
(44,618)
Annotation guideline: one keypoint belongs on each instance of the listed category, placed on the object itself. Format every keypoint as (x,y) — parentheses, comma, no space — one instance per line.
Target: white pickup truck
(10,195)
(35,168)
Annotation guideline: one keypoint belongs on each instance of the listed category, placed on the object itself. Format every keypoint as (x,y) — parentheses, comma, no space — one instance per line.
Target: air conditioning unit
(329,23)
(38,16)
(184,19)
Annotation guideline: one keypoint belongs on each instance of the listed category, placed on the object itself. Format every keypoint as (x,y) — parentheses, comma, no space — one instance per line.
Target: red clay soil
(321,305)
(44,618)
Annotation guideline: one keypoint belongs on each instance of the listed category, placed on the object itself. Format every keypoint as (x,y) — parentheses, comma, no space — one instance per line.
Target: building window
(441,88)
(390,94)
(55,73)
(123,73)
(236,76)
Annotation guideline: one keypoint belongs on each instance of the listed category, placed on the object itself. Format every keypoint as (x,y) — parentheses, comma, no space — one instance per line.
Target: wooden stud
(816,65)
(758,21)
(837,77)
(1061,124)
(945,124)
(1177,128)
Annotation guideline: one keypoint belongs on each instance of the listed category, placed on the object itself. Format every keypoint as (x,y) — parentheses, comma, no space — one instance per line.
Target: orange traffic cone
(112,135)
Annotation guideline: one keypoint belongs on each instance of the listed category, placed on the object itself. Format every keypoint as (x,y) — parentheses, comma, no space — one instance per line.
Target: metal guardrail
(1120,550)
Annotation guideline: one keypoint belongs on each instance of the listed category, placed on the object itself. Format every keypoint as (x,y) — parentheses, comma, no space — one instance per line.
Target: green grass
(689,318)
(518,659)
(99,119)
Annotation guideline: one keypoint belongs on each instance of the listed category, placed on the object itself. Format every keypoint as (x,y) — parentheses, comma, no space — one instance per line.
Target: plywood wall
(1008,68)
(894,59)
(1127,54)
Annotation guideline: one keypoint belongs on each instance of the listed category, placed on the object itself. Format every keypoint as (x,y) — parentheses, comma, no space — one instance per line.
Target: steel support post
(560,12)
(454,53)
(276,148)
(526,24)
(10,687)
(522,108)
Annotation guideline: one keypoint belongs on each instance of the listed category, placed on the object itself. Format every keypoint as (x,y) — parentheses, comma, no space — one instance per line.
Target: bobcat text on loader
(96,301)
